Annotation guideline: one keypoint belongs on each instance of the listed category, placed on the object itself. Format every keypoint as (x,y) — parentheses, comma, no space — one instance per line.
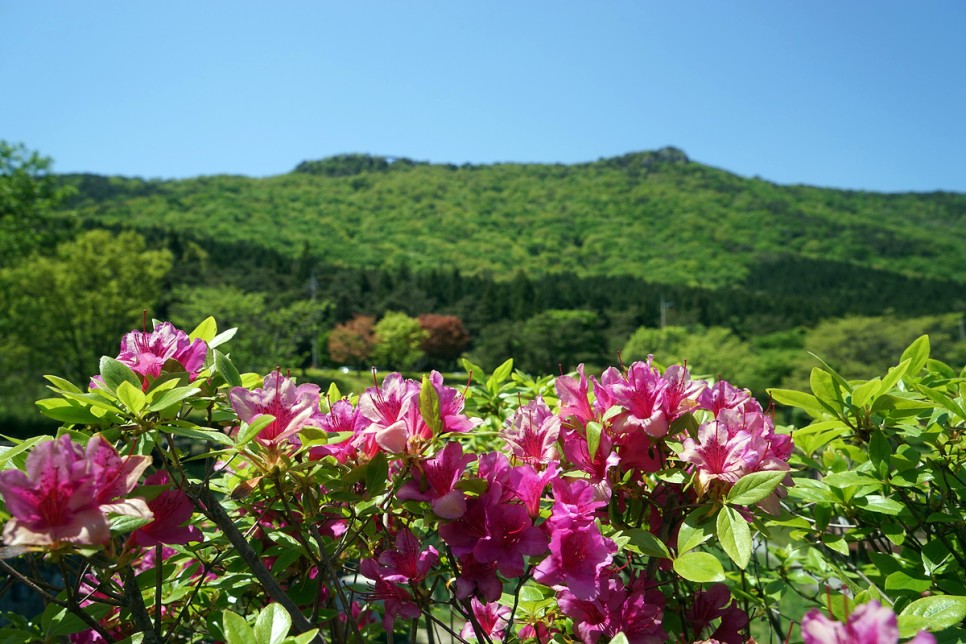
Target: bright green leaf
(250,431)
(272,625)
(593,438)
(113,373)
(700,567)
(917,353)
(942,611)
(172,396)
(877,503)
(693,531)
(648,544)
(752,488)
(237,630)
(735,536)
(226,369)
(865,392)
(206,331)
(131,396)
(429,406)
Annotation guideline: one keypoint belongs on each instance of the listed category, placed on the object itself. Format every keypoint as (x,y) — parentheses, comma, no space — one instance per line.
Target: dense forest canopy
(357,260)
(651,215)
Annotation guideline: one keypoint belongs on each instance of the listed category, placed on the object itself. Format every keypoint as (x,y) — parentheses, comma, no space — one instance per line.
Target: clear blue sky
(866,94)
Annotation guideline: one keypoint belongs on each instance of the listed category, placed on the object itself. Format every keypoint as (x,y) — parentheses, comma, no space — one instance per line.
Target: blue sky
(866,94)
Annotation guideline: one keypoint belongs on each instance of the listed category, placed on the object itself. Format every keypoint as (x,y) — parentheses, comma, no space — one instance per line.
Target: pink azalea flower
(578,557)
(407,562)
(510,536)
(435,482)
(642,395)
(146,353)
(492,618)
(67,491)
(386,408)
(720,456)
(870,623)
(681,394)
(451,407)
(293,407)
(532,432)
(636,611)
(528,485)
(714,603)
(723,395)
(397,600)
(574,402)
(172,509)
(478,578)
(342,417)
(575,502)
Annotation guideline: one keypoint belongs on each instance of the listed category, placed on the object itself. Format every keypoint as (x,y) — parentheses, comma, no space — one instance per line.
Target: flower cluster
(870,623)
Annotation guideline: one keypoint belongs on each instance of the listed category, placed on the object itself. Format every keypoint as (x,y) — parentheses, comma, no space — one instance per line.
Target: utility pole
(313,286)
(665,305)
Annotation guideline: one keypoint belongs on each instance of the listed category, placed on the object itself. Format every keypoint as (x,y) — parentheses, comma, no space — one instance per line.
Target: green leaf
(131,396)
(593,438)
(941,611)
(792,398)
(206,331)
(429,407)
(250,431)
(648,544)
(237,630)
(172,396)
(849,478)
(735,536)
(880,453)
(894,376)
(500,374)
(63,385)
(199,433)
(222,338)
(865,392)
(694,531)
(700,567)
(377,474)
(113,373)
(305,637)
(824,387)
(272,625)
(877,503)
(752,488)
(917,353)
(942,399)
(620,638)
(20,447)
(226,369)
(901,581)
(67,411)
(124,524)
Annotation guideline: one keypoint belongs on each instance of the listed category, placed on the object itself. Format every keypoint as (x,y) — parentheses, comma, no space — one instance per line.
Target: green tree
(558,339)
(63,312)
(713,351)
(28,194)
(398,341)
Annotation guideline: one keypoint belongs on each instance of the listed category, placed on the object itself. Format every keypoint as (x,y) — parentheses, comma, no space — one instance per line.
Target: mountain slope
(651,215)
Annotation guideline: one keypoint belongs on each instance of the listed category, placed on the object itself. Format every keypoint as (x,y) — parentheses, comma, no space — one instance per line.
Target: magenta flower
(492,618)
(714,603)
(293,407)
(642,395)
(342,417)
(870,623)
(478,578)
(67,491)
(510,536)
(451,407)
(532,432)
(528,485)
(397,600)
(578,557)
(719,456)
(390,412)
(172,509)
(146,353)
(573,397)
(723,395)
(407,562)
(436,479)
(636,611)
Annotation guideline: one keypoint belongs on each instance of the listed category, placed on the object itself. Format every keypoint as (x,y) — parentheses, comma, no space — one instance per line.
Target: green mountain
(655,216)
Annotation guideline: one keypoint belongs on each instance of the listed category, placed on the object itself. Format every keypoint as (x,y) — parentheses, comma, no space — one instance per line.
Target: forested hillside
(359,260)
(652,215)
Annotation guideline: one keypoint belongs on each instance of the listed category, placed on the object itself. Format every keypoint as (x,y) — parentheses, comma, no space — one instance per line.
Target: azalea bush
(184,501)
